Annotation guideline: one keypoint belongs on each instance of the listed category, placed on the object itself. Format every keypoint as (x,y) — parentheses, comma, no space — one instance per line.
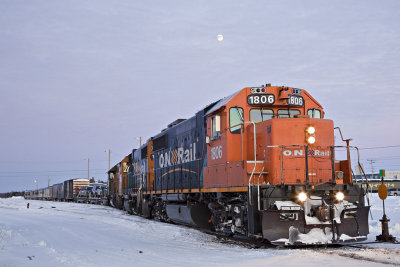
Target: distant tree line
(11,194)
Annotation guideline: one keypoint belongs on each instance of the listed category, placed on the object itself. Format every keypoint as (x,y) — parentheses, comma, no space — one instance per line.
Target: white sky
(80,77)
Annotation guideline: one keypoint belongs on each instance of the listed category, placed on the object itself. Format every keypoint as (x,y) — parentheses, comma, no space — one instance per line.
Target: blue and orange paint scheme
(232,165)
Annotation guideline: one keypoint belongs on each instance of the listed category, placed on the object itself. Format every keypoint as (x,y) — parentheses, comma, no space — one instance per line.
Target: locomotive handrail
(262,170)
(362,170)
(255,152)
(281,147)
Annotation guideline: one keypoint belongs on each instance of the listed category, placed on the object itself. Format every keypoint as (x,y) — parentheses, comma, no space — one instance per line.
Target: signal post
(382,192)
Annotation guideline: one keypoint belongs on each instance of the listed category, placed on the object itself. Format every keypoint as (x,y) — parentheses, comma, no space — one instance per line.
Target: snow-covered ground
(70,234)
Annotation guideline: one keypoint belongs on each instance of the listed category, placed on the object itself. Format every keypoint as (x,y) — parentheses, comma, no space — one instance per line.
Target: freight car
(259,163)
(65,191)
(72,187)
(92,194)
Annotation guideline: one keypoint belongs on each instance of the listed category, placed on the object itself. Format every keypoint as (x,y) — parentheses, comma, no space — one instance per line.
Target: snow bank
(70,234)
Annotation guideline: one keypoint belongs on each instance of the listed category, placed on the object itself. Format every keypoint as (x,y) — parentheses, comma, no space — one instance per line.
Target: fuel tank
(193,214)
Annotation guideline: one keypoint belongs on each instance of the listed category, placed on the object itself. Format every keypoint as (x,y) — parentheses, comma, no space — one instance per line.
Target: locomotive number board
(295,100)
(260,99)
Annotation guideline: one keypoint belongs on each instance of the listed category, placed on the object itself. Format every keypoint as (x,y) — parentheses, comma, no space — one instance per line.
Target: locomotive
(258,163)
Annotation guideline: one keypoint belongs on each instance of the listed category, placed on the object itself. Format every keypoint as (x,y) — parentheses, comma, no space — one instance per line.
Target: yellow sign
(382,191)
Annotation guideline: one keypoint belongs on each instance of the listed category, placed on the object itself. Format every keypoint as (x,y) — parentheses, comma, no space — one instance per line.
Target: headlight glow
(311,140)
(339,196)
(311,130)
(302,196)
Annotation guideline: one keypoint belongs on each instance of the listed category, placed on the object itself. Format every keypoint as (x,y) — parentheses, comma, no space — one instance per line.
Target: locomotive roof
(222,102)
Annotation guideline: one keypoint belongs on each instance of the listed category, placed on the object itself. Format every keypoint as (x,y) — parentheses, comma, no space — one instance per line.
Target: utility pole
(109,167)
(371,161)
(109,159)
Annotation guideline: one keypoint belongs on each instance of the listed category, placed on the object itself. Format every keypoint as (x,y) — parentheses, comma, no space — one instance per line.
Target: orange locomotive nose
(295,150)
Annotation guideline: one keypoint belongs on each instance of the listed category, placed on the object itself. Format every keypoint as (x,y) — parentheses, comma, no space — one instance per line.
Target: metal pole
(306,158)
(88,164)
(383,201)
(371,161)
(109,159)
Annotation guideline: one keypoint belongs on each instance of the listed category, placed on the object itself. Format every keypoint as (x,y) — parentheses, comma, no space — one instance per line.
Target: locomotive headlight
(311,130)
(302,196)
(311,140)
(339,196)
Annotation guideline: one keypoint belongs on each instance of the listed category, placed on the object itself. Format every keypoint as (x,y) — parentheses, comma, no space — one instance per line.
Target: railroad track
(355,251)
(389,256)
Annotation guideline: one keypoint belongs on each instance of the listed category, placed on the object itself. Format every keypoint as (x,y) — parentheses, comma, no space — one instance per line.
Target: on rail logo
(300,153)
(177,156)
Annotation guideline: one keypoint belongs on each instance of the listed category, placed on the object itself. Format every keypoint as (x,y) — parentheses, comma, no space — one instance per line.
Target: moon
(220,37)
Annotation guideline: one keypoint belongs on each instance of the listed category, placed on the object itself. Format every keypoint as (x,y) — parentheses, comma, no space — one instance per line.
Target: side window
(235,119)
(288,113)
(314,113)
(215,127)
(258,115)
(125,167)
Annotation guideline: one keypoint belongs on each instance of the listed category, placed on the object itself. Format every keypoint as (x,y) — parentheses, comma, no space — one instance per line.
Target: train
(259,163)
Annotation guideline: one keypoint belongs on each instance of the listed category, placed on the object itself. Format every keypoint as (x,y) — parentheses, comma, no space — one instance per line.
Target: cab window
(314,113)
(288,113)
(259,114)
(216,127)
(235,119)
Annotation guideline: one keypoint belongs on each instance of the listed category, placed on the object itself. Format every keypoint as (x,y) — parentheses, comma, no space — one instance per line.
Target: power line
(388,165)
(378,147)
(52,175)
(53,171)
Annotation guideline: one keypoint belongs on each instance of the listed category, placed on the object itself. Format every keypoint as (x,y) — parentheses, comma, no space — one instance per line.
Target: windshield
(314,113)
(259,114)
(288,113)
